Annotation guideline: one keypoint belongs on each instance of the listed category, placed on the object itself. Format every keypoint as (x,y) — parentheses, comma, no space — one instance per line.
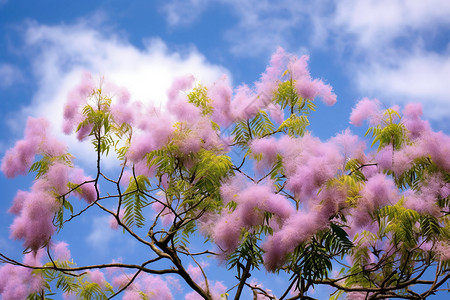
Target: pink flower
(34,221)
(98,277)
(75,98)
(61,251)
(113,221)
(416,127)
(268,149)
(87,190)
(179,105)
(220,93)
(378,191)
(366,109)
(297,229)
(276,113)
(16,282)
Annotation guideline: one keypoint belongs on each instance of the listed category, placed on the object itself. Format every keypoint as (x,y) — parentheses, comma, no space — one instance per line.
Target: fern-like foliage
(135,201)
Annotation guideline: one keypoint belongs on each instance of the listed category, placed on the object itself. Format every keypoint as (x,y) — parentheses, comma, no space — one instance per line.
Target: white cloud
(377,22)
(182,12)
(262,25)
(9,74)
(418,77)
(61,53)
(101,234)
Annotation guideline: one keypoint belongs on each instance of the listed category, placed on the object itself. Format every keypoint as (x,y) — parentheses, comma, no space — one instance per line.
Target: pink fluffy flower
(75,98)
(61,251)
(349,144)
(366,109)
(413,122)
(177,104)
(276,113)
(379,190)
(268,149)
(58,176)
(220,93)
(16,282)
(305,86)
(34,222)
(297,229)
(113,221)
(87,189)
(98,277)
(268,83)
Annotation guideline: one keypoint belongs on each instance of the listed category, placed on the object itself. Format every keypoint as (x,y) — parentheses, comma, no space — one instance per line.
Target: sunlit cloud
(420,77)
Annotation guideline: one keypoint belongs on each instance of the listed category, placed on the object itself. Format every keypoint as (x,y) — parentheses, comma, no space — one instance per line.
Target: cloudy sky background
(395,50)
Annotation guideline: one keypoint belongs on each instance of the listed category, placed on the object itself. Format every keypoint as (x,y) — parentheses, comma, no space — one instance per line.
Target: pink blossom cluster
(37,140)
(17,282)
(366,109)
(308,164)
(154,287)
(215,289)
(177,103)
(34,210)
(307,88)
(412,120)
(423,200)
(76,97)
(252,202)
(298,228)
(247,102)
(260,296)
(379,190)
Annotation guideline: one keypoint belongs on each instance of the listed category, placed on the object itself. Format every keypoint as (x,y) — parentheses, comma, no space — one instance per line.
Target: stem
(244,277)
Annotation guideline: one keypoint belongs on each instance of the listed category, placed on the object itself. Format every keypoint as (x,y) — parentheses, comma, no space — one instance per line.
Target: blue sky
(394,50)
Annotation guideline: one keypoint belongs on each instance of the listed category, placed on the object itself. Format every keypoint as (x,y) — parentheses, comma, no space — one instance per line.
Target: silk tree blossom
(86,190)
(37,140)
(423,200)
(306,87)
(153,287)
(246,103)
(412,120)
(298,228)
(267,149)
(199,135)
(17,282)
(61,251)
(269,81)
(156,130)
(437,145)
(349,145)
(252,203)
(98,277)
(366,109)
(309,164)
(177,103)
(34,221)
(275,112)
(76,97)
(378,191)
(442,249)
(220,94)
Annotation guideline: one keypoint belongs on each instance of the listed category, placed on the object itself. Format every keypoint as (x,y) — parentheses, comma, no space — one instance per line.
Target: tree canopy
(239,167)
